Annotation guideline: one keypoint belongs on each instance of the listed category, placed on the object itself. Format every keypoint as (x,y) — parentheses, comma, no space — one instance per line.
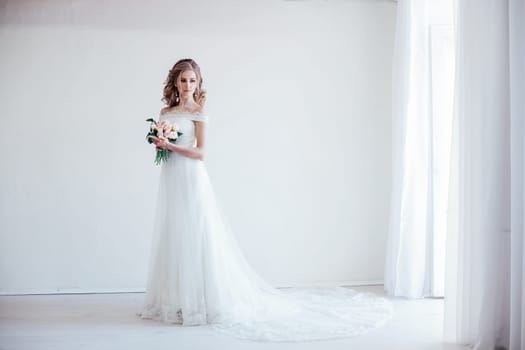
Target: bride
(197,272)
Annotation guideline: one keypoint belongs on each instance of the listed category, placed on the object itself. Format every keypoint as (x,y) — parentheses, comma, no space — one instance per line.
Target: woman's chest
(184,125)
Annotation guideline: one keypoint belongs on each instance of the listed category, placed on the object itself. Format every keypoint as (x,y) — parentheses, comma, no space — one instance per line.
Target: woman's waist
(185,141)
(173,155)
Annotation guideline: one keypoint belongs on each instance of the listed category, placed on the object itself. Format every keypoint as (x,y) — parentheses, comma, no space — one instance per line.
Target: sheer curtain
(406,261)
(517,116)
(411,265)
(484,287)
(485,265)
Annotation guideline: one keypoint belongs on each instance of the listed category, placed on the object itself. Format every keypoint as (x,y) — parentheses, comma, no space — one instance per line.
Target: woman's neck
(187,104)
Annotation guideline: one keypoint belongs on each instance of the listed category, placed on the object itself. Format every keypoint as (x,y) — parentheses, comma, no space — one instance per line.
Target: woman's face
(186,84)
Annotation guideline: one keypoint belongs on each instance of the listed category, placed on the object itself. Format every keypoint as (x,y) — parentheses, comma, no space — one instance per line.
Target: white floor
(109,321)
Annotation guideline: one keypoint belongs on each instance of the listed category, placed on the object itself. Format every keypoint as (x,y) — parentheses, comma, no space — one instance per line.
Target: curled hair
(171,95)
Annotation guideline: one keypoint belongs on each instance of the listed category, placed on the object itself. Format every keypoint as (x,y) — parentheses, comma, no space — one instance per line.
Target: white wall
(298,150)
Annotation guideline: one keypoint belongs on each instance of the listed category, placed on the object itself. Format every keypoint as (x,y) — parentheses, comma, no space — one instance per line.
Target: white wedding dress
(198,274)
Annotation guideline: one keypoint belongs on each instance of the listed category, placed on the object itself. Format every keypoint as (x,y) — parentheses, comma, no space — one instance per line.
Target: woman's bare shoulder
(164,110)
(197,109)
(200,110)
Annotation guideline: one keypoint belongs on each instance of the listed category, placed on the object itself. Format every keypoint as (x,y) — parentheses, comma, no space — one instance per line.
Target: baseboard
(330,284)
(141,289)
(72,291)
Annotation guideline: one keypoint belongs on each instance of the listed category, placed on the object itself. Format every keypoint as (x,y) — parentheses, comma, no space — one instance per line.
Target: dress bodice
(184,123)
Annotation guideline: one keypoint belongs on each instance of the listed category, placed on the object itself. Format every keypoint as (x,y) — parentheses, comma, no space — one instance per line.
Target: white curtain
(517,116)
(484,276)
(406,263)
(410,266)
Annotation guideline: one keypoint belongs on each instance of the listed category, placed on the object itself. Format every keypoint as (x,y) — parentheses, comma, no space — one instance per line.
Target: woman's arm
(196,152)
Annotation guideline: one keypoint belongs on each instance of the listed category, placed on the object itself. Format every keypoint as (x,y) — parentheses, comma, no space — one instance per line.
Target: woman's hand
(190,152)
(159,143)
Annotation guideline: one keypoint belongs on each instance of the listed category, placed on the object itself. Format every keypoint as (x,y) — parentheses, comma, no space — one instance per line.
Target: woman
(198,274)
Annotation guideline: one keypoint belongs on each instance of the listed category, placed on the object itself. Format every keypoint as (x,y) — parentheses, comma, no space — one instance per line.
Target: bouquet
(162,130)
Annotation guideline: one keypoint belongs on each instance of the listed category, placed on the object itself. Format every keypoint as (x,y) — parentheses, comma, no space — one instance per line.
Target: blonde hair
(171,95)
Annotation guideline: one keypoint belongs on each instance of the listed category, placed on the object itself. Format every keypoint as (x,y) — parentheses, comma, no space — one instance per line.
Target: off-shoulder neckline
(185,115)
(199,113)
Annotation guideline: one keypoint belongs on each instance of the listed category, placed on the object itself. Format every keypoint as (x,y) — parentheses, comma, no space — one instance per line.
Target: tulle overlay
(198,275)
